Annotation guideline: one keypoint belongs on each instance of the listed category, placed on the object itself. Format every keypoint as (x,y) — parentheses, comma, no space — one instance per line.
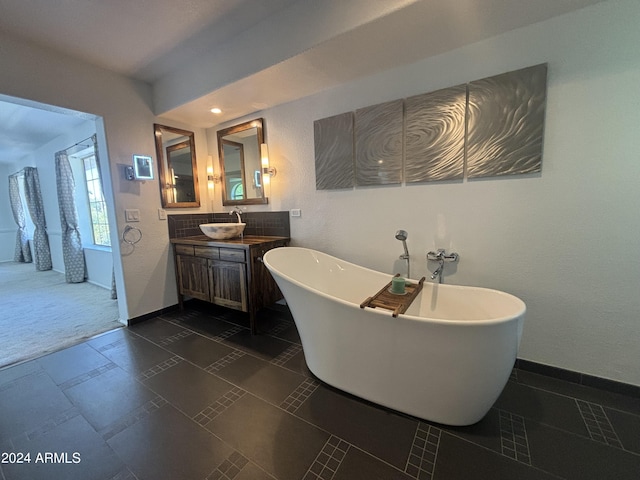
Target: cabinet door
(193,278)
(228,284)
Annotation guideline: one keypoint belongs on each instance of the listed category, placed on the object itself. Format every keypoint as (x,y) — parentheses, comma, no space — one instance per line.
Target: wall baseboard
(93,282)
(579,378)
(147,316)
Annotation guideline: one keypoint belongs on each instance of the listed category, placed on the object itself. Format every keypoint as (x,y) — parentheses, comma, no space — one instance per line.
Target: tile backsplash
(258,223)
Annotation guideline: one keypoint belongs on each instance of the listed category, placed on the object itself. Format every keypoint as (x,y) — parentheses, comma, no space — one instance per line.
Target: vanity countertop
(247,240)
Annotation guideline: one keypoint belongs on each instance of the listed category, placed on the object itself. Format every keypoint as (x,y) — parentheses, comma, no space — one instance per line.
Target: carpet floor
(41,313)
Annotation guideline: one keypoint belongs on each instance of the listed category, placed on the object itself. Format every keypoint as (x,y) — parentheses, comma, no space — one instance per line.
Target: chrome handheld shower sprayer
(402,236)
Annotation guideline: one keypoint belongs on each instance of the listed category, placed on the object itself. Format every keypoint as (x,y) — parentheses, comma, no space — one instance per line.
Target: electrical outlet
(132,215)
(296,212)
(162,214)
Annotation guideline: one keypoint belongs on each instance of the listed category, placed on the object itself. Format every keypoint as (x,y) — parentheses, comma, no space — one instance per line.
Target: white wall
(8,227)
(99,265)
(566,241)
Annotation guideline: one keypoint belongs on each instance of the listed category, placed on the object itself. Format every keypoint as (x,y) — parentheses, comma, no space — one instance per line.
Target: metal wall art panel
(333,140)
(505,123)
(378,144)
(434,136)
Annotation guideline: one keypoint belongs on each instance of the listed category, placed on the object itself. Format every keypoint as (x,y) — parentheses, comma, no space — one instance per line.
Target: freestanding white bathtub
(446,359)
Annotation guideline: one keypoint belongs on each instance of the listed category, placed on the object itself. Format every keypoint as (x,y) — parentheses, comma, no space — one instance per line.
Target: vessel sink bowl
(222,231)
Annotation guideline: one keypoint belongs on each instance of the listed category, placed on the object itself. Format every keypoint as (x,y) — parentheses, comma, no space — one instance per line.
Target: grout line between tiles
(9,385)
(300,395)
(328,459)
(215,339)
(53,422)
(421,460)
(230,467)
(566,395)
(217,407)
(287,354)
(109,346)
(125,474)
(132,417)
(514,443)
(598,424)
(160,367)
(174,338)
(72,382)
(224,361)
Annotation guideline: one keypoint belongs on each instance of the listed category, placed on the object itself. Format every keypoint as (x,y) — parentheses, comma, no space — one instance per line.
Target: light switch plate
(132,215)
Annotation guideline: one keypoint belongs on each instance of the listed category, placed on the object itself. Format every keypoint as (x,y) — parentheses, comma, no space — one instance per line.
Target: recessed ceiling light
(216,110)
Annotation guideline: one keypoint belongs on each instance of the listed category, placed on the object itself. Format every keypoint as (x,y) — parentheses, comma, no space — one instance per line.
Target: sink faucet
(441,256)
(238,212)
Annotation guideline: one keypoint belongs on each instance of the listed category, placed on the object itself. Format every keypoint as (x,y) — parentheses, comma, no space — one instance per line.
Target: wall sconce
(211,177)
(267,171)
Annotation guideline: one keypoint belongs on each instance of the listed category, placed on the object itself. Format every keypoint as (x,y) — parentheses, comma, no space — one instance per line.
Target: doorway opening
(41,311)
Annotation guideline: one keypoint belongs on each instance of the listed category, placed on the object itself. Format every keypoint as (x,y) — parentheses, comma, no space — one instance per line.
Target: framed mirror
(240,163)
(178,172)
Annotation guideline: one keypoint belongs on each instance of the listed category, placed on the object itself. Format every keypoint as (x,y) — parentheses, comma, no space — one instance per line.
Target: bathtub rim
(519,313)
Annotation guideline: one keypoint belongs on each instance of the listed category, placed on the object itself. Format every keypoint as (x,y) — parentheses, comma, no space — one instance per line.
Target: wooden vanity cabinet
(228,273)
(193,276)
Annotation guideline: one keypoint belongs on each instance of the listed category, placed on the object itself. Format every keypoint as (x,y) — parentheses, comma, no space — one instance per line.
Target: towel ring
(127,229)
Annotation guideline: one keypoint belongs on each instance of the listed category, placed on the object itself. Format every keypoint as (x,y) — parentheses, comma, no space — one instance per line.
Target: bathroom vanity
(229,272)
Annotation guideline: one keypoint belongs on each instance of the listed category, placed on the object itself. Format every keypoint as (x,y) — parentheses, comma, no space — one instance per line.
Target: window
(237,192)
(97,205)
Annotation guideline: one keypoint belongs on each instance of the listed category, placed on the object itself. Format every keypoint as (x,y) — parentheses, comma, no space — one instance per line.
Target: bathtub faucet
(441,256)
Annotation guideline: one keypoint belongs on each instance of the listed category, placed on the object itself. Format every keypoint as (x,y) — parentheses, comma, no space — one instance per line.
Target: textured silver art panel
(505,123)
(434,136)
(378,142)
(333,140)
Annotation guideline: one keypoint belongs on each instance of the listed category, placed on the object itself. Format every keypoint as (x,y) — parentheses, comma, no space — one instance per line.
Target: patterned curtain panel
(23,250)
(36,209)
(94,139)
(72,252)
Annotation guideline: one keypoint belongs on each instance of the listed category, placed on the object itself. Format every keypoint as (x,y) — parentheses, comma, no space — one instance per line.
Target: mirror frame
(164,170)
(258,124)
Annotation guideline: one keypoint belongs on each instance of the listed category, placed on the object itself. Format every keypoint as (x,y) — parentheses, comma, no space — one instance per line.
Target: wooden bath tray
(391,301)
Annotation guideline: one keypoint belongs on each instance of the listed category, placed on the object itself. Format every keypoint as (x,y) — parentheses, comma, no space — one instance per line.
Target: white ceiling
(24,127)
(301,47)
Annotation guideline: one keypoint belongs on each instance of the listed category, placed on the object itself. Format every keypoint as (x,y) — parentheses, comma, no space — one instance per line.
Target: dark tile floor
(192,395)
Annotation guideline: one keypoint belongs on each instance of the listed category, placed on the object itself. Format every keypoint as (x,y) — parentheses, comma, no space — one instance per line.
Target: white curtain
(36,208)
(72,252)
(23,250)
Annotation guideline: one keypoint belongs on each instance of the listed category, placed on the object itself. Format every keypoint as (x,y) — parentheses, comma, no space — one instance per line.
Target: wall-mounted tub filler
(402,236)
(441,256)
